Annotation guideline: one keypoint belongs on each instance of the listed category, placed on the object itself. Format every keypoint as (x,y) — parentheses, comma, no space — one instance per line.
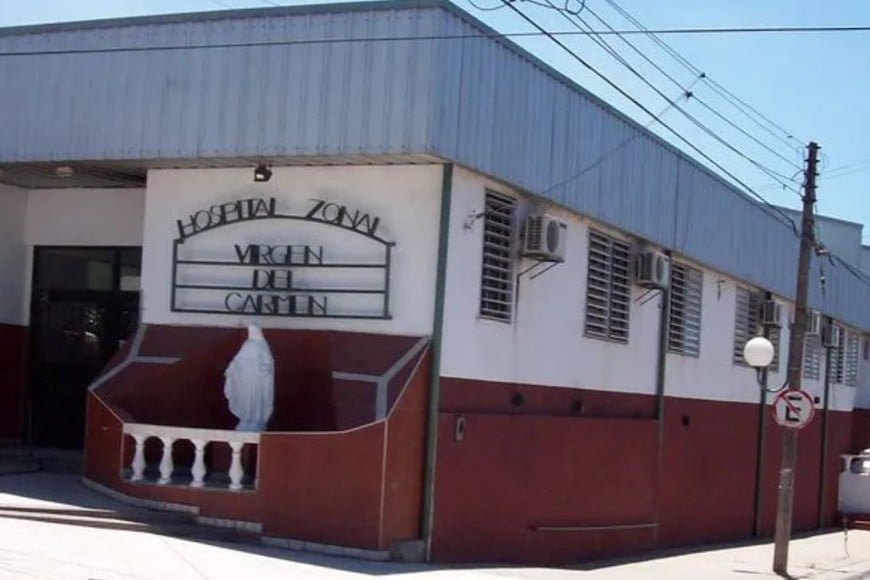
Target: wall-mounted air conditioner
(831,335)
(544,238)
(770,313)
(652,269)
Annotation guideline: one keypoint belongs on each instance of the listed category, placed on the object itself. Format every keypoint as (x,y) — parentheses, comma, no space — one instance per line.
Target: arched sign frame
(284,301)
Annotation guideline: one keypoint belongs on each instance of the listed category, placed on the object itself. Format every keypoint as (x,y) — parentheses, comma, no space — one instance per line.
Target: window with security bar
(747,321)
(837,361)
(774,337)
(608,288)
(850,363)
(684,328)
(812,356)
(497,273)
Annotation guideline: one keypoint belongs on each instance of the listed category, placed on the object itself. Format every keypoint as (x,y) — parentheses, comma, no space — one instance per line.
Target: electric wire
(603,157)
(481,34)
(701,75)
(499,6)
(787,220)
(753,114)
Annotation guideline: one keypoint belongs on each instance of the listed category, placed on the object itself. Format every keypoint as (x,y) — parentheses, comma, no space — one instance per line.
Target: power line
(482,34)
(769,207)
(604,45)
(608,48)
(753,114)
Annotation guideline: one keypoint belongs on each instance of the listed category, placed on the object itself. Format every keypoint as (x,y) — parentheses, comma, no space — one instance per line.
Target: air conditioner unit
(770,313)
(544,238)
(831,335)
(652,269)
(814,322)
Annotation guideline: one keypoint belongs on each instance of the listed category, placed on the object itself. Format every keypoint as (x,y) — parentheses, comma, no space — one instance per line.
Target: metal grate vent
(684,329)
(608,290)
(812,356)
(497,275)
(746,323)
(851,359)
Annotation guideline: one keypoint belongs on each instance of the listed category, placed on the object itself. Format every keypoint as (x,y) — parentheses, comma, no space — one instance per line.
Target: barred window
(746,323)
(837,364)
(812,356)
(608,288)
(684,328)
(867,348)
(497,273)
(850,371)
(773,336)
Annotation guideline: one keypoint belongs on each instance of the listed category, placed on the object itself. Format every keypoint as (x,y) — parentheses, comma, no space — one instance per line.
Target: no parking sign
(794,409)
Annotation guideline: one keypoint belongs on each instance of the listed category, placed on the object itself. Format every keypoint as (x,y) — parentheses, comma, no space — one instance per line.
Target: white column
(138,464)
(236,470)
(198,469)
(166,466)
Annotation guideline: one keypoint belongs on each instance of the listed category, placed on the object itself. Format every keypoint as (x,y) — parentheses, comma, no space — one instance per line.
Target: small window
(867,348)
(812,357)
(774,336)
(684,329)
(497,273)
(608,288)
(747,323)
(837,360)
(850,371)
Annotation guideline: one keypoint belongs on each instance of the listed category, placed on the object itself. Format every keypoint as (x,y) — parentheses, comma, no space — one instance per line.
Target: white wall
(862,397)
(79,217)
(544,345)
(13,254)
(406,198)
(85,217)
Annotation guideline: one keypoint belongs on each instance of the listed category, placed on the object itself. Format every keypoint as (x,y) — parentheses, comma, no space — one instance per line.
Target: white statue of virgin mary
(249,384)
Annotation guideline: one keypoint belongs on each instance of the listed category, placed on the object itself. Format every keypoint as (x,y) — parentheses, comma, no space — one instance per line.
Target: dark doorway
(84,304)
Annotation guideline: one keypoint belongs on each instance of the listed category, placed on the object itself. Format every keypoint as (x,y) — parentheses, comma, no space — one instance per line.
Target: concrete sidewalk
(76,543)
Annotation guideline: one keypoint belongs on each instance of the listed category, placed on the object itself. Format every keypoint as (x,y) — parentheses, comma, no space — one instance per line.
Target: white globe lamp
(758,352)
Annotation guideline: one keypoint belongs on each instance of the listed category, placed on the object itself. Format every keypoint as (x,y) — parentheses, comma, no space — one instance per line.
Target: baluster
(236,470)
(138,464)
(198,469)
(166,466)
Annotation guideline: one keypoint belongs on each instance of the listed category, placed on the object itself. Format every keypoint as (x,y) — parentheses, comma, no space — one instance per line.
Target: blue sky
(814,85)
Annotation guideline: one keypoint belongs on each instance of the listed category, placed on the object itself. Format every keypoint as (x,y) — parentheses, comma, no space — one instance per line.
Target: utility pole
(795,364)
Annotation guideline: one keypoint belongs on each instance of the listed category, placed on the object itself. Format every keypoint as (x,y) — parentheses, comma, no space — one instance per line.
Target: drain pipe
(759,449)
(661,362)
(427,515)
(823,460)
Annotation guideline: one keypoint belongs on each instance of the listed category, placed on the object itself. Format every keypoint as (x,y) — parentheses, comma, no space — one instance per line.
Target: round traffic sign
(794,409)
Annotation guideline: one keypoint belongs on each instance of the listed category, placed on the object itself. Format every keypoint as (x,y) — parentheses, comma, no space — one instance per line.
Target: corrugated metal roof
(482,102)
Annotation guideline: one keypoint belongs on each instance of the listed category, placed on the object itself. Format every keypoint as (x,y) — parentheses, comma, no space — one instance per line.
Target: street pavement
(53,527)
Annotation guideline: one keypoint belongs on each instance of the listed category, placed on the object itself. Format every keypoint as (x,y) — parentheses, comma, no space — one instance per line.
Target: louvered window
(837,366)
(608,288)
(773,336)
(684,329)
(867,348)
(497,275)
(746,322)
(850,370)
(812,356)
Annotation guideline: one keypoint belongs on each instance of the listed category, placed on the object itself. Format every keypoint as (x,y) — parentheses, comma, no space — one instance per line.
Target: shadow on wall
(189,392)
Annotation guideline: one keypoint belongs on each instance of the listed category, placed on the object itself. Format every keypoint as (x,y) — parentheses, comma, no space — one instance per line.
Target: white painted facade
(544,344)
(405,198)
(59,217)
(13,254)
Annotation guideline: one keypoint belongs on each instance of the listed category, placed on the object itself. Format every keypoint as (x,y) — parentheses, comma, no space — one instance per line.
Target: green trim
(435,369)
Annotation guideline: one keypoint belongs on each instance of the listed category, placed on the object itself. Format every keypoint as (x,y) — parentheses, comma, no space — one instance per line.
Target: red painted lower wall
(547,460)
(360,487)
(860,429)
(13,375)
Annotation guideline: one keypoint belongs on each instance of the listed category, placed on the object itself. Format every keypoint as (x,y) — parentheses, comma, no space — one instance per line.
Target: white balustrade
(854,496)
(200,439)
